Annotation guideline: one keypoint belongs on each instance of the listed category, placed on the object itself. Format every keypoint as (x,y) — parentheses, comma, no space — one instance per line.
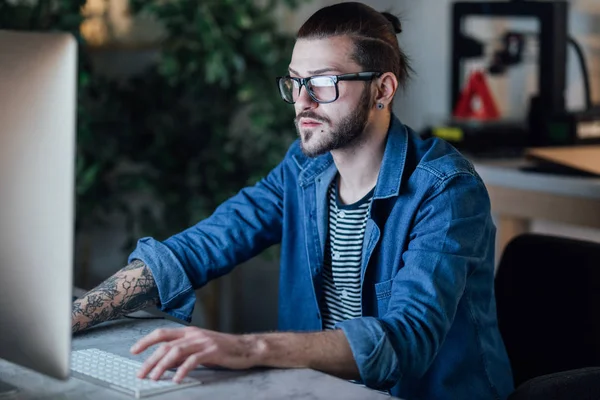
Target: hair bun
(395,21)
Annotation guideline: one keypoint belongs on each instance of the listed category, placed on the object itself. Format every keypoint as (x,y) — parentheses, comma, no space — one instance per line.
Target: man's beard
(349,131)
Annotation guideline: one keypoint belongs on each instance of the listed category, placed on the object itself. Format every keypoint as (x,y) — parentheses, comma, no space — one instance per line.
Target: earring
(380,106)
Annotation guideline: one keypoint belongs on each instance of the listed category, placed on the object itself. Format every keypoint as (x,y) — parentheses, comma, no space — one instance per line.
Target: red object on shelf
(476,88)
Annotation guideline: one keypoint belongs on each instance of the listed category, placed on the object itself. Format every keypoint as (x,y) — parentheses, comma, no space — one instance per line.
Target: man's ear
(387,84)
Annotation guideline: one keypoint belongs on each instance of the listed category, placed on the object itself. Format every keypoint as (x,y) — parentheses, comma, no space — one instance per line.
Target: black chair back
(548,299)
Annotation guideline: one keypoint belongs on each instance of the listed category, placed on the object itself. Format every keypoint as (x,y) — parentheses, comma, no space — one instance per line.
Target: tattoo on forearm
(135,264)
(131,289)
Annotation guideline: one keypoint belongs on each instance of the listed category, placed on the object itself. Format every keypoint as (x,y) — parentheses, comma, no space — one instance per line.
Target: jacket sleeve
(449,240)
(239,229)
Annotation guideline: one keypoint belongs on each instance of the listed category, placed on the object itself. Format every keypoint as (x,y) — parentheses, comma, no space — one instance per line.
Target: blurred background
(178,110)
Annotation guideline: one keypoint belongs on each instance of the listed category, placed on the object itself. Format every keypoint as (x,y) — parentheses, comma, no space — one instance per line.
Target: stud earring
(380,106)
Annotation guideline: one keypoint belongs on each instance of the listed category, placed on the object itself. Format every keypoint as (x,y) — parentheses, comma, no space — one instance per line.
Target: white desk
(519,197)
(118,336)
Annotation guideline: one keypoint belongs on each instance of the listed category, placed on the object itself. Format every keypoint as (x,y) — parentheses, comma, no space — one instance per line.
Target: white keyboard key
(119,373)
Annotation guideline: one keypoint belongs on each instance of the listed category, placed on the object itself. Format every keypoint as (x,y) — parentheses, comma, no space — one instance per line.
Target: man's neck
(359,165)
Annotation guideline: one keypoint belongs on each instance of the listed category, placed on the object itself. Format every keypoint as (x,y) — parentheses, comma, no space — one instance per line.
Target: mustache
(312,115)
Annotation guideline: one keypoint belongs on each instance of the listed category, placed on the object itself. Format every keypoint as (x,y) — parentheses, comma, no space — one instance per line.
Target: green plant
(191,130)
(206,120)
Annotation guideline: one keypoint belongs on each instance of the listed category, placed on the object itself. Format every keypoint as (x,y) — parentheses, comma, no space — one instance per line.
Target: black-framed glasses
(321,88)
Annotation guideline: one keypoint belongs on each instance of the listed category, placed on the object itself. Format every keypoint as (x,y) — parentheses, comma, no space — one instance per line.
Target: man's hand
(189,347)
(186,348)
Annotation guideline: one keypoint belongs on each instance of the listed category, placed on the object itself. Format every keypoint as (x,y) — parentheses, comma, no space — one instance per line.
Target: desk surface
(119,336)
(508,173)
(519,197)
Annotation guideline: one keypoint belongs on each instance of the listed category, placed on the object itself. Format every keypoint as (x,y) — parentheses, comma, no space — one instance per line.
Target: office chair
(548,301)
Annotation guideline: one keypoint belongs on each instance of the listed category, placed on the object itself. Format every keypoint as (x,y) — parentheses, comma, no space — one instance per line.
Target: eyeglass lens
(322,89)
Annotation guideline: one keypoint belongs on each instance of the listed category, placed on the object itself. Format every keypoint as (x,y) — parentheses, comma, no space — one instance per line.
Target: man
(387,243)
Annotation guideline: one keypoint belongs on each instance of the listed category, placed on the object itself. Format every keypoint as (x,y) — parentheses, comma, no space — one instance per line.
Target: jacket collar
(392,166)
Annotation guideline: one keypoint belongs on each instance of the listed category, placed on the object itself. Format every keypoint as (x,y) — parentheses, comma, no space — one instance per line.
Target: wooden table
(519,197)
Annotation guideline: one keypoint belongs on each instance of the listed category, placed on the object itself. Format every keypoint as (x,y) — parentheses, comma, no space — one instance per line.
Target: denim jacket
(428,328)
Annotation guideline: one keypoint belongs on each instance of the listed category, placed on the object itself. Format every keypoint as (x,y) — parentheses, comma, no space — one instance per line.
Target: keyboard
(119,373)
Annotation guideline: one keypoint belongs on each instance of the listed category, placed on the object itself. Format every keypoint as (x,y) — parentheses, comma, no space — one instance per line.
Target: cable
(584,71)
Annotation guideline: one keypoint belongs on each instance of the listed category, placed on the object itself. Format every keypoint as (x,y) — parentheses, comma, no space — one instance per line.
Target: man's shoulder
(440,159)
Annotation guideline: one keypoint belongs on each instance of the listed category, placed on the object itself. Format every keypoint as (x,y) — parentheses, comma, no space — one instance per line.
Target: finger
(188,365)
(160,352)
(154,358)
(157,336)
(175,356)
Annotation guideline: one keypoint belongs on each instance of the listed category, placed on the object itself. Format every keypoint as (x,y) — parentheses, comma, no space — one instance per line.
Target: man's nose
(304,101)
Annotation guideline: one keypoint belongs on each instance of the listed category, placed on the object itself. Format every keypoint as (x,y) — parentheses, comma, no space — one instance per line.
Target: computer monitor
(38,73)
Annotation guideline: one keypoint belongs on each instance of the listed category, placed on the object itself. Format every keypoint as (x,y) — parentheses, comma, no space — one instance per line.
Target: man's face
(337,125)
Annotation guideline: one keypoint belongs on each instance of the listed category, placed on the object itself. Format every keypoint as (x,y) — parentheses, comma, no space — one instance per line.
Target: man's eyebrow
(316,72)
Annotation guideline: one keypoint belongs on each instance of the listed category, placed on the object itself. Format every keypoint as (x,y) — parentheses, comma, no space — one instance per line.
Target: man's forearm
(129,290)
(327,351)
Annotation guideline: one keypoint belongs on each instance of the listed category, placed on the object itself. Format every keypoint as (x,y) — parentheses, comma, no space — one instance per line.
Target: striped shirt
(343,253)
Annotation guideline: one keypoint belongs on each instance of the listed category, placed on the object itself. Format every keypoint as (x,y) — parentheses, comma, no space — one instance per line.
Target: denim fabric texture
(429,328)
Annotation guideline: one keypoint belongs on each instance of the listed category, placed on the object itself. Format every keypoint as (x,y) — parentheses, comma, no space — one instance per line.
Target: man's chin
(313,150)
